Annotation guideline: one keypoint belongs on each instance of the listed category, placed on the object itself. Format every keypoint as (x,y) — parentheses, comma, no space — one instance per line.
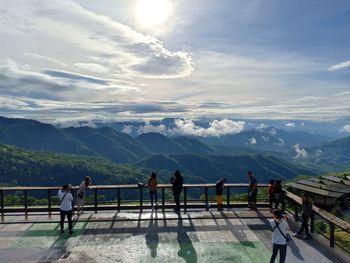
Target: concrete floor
(198,236)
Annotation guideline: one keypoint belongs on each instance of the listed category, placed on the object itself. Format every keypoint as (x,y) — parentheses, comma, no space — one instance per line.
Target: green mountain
(334,156)
(30,168)
(234,168)
(158,143)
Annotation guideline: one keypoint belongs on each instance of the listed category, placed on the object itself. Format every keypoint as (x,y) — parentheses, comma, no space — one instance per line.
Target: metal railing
(140,204)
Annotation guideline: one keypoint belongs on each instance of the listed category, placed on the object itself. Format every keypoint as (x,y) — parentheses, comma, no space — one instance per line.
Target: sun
(152,13)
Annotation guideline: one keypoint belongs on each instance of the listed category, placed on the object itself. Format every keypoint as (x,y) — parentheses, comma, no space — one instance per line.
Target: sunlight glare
(152,13)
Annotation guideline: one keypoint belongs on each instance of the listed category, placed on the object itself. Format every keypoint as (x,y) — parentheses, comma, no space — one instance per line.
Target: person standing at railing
(252,190)
(81,194)
(306,214)
(279,236)
(279,195)
(271,194)
(219,187)
(177,182)
(66,208)
(152,184)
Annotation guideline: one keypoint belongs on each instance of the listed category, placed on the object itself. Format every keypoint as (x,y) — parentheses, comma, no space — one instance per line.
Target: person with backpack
(81,194)
(219,187)
(177,182)
(279,236)
(66,208)
(152,184)
(306,214)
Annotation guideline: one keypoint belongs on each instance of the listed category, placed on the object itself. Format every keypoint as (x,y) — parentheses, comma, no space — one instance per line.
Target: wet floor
(231,236)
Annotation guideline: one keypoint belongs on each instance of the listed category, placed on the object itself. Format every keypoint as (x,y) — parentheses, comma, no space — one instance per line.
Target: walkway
(238,235)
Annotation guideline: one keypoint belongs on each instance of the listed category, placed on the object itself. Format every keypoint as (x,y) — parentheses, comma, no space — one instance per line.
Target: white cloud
(300,152)
(162,129)
(342,65)
(127,129)
(185,127)
(280,142)
(252,141)
(290,124)
(345,128)
(216,128)
(265,138)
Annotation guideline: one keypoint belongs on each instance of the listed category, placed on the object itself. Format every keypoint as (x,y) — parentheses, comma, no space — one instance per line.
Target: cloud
(280,142)
(127,129)
(71,48)
(162,129)
(252,141)
(216,128)
(186,127)
(342,65)
(345,128)
(300,152)
(290,124)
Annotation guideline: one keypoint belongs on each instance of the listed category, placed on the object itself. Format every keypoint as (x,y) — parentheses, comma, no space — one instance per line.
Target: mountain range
(269,152)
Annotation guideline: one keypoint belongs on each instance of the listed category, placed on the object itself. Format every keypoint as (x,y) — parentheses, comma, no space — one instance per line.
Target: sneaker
(296,235)
(307,237)
(71,232)
(62,231)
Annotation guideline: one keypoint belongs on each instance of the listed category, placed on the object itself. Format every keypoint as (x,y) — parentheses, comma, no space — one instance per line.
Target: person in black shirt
(252,190)
(177,182)
(219,187)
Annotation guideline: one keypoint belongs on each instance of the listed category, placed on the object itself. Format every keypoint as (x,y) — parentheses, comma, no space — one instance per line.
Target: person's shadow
(187,251)
(152,238)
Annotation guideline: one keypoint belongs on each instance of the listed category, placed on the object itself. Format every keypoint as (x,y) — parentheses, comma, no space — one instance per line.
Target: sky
(64,60)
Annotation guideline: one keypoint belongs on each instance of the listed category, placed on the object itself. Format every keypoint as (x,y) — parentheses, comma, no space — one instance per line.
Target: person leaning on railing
(82,192)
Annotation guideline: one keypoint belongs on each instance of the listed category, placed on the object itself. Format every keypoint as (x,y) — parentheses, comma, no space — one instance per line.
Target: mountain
(331,156)
(33,168)
(34,135)
(116,146)
(234,168)
(158,143)
(268,139)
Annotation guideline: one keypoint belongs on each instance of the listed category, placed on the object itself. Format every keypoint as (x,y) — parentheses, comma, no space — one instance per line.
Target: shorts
(81,201)
(219,199)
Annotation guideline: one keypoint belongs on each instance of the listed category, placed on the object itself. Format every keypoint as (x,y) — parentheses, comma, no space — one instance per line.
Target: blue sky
(70,60)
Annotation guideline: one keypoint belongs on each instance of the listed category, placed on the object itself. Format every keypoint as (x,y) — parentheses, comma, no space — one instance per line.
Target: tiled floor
(151,237)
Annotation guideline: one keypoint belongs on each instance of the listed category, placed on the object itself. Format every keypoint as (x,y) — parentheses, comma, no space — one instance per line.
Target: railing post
(141,198)
(312,222)
(163,199)
(25,192)
(206,199)
(331,234)
(185,200)
(118,199)
(49,201)
(228,197)
(95,199)
(2,205)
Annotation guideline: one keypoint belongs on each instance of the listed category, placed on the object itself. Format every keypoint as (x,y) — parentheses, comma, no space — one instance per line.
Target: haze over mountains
(268,151)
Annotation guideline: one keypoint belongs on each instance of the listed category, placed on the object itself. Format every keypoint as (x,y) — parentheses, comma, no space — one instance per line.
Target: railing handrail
(322,213)
(123,186)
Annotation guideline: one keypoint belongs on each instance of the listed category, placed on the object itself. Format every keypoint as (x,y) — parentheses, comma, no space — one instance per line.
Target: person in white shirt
(66,209)
(279,236)
(81,193)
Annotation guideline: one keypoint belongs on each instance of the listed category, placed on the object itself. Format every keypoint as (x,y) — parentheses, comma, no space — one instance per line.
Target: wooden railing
(332,220)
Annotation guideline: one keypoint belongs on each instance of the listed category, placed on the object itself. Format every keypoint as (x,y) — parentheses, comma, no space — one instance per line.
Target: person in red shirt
(152,184)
